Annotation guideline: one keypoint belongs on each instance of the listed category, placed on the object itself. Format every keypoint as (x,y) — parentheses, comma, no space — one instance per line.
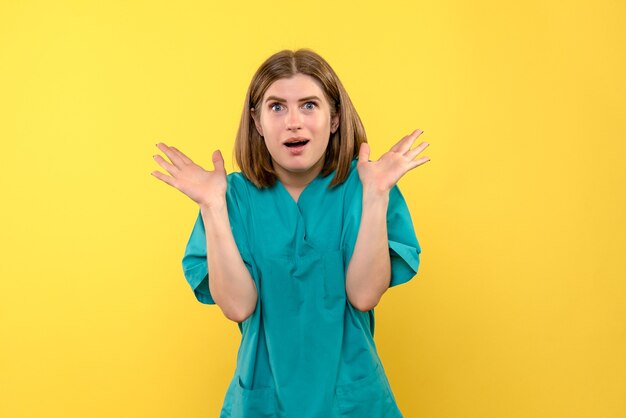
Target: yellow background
(519,307)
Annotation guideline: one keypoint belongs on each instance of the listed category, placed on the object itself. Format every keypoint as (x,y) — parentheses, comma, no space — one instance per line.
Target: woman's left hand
(380,176)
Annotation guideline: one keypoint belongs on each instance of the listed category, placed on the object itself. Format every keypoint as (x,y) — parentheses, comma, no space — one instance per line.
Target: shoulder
(353,188)
(237,183)
(235,189)
(240,191)
(237,179)
(352,180)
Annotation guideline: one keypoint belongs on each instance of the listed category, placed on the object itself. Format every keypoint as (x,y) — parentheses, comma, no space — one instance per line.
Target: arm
(231,285)
(369,272)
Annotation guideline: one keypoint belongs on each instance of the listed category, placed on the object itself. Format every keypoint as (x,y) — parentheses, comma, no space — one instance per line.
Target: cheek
(269,134)
(322,124)
(270,145)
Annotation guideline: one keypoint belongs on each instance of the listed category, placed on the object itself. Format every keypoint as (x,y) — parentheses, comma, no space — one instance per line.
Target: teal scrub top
(305,352)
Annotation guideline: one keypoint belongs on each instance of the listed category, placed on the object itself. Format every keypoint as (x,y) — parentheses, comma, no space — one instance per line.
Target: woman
(300,246)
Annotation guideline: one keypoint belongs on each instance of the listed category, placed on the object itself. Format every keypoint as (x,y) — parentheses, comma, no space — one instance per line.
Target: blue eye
(310,105)
(276,107)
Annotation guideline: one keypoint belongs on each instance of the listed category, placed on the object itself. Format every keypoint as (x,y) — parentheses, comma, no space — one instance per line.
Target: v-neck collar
(311,184)
(317,179)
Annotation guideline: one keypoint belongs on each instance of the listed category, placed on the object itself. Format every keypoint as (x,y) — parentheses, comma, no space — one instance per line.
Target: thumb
(218,161)
(364,153)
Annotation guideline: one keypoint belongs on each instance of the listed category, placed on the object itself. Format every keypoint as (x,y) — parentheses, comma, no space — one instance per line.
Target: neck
(297,180)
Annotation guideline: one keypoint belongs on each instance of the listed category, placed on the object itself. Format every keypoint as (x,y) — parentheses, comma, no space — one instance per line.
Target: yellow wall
(519,309)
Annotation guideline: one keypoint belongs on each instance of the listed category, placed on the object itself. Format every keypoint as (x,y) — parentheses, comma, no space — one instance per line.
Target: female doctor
(299,247)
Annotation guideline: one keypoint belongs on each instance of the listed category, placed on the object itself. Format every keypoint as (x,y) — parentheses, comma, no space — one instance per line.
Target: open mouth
(296,143)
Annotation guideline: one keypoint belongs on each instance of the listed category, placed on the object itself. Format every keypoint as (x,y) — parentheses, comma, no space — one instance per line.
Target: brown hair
(251,153)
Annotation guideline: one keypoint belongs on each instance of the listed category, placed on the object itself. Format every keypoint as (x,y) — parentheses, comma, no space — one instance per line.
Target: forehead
(294,88)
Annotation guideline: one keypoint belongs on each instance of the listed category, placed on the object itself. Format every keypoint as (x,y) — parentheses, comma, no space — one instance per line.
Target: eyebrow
(279,99)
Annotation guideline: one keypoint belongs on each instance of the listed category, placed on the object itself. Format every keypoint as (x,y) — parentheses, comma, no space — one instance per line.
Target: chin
(298,165)
(299,168)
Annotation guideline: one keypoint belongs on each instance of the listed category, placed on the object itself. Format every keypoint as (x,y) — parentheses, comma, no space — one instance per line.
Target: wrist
(373,195)
(212,208)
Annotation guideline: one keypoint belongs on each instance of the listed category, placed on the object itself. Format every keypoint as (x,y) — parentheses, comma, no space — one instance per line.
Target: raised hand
(380,176)
(206,188)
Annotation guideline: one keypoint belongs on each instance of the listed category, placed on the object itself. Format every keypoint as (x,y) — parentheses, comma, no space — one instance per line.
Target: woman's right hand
(206,188)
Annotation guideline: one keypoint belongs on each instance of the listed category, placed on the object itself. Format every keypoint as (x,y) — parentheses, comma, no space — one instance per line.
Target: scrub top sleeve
(195,263)
(195,266)
(404,248)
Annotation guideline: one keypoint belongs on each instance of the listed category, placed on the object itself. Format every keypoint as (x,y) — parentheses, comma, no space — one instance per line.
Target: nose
(294,120)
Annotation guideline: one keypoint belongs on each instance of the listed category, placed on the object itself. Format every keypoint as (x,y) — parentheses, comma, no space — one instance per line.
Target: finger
(165,179)
(165,165)
(174,158)
(364,153)
(397,145)
(418,162)
(406,143)
(400,145)
(218,161)
(416,151)
(182,156)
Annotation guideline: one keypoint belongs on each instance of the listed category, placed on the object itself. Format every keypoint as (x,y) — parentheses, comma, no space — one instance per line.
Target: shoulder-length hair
(251,153)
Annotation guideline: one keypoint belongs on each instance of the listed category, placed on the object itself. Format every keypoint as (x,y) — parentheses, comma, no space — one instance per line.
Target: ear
(255,118)
(334,123)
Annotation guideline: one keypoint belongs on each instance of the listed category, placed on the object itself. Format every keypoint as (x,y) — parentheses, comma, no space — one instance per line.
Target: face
(295,123)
